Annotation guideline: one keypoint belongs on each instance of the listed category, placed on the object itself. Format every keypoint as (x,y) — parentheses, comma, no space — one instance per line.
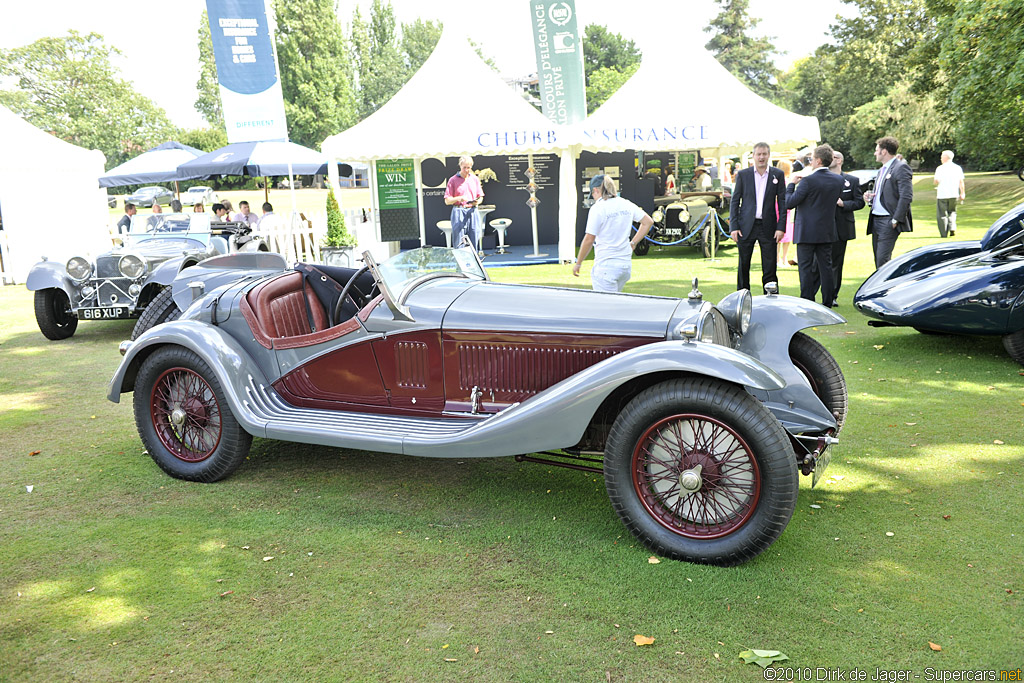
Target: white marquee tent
(50,200)
(704,108)
(455,104)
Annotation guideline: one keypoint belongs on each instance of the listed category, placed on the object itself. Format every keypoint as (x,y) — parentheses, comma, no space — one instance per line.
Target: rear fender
(165,273)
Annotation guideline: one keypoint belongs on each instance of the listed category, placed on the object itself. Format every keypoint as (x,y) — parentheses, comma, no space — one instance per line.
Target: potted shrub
(338,244)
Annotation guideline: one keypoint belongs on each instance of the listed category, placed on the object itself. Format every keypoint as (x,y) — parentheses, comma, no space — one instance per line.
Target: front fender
(227,359)
(773,322)
(558,416)
(50,275)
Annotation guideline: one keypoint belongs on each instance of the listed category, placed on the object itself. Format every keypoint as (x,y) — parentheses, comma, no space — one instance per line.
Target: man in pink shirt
(463,194)
(757,215)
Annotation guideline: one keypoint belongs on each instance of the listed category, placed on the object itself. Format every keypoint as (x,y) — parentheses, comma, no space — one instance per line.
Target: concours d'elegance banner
(559,46)
(396,197)
(250,89)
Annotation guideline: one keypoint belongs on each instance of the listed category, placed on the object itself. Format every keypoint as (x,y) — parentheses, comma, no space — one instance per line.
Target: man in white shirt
(949,182)
(609,232)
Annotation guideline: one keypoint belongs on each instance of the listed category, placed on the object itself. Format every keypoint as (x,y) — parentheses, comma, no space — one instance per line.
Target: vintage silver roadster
(132,278)
(700,417)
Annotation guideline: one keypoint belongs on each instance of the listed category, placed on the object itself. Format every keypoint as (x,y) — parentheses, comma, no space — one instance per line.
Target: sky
(158,40)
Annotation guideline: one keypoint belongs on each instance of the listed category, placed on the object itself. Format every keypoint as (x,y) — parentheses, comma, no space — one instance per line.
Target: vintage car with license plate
(132,278)
(971,287)
(689,219)
(700,417)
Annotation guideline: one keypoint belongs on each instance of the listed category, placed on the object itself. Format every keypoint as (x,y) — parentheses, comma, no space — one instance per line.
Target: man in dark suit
(851,199)
(890,200)
(816,194)
(756,212)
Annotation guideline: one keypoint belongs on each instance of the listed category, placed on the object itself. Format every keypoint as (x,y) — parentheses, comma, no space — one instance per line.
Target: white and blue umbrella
(255,159)
(158,165)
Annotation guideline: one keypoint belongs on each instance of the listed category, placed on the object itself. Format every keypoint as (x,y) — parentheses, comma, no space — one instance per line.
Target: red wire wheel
(186,414)
(696,476)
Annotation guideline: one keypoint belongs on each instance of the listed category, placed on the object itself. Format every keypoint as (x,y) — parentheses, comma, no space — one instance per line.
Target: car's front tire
(161,309)
(699,470)
(1014,345)
(184,418)
(53,314)
(823,372)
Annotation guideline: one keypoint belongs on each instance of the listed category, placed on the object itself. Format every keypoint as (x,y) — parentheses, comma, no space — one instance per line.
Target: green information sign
(396,184)
(396,199)
(559,46)
(685,166)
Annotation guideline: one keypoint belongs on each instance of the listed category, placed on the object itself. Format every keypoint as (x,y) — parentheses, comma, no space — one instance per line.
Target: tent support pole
(416,172)
(533,219)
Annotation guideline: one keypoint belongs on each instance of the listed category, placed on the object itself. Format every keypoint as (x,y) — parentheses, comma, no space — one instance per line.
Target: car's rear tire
(184,419)
(161,309)
(741,497)
(823,372)
(1014,345)
(53,314)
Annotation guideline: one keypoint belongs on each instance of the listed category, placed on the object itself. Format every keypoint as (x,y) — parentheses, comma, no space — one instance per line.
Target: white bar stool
(446,228)
(500,225)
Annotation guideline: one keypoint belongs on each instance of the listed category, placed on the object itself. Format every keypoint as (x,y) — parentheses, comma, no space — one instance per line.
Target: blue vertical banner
(559,49)
(250,88)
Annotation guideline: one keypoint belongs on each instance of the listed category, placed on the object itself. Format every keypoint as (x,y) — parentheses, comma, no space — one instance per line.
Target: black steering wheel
(345,293)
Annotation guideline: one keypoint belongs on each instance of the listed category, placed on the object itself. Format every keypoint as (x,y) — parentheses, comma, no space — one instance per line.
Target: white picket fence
(301,240)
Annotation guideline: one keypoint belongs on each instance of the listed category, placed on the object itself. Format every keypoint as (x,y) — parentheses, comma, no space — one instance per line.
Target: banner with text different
(250,88)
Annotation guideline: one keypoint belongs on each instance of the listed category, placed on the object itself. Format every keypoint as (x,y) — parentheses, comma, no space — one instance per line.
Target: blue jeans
(465,221)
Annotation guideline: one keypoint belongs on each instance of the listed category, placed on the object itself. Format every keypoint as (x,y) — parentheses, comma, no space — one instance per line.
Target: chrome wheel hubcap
(690,480)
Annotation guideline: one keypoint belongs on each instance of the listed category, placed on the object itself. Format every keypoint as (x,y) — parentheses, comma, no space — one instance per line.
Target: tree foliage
(337,232)
(603,49)
(68,86)
(206,139)
(381,71)
(746,57)
(418,41)
(981,53)
(208,99)
(604,83)
(316,78)
(874,80)
(608,61)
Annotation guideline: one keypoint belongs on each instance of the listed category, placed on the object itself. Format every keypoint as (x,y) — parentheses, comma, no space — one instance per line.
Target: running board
(270,416)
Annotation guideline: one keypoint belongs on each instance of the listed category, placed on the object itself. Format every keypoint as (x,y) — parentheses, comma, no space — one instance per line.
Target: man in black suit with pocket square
(816,193)
(851,199)
(756,212)
(889,201)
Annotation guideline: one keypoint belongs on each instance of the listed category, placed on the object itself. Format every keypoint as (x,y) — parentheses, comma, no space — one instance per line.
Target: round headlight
(736,308)
(745,311)
(131,266)
(79,268)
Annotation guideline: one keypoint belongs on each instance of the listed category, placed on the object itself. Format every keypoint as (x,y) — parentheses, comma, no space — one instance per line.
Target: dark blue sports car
(970,287)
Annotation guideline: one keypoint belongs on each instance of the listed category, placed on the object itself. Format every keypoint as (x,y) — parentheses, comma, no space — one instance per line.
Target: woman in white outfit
(608,231)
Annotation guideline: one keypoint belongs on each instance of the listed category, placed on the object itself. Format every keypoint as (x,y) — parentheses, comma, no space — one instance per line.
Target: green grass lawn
(314,563)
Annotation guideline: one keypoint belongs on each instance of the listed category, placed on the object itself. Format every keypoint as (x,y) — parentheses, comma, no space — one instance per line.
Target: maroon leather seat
(279,307)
